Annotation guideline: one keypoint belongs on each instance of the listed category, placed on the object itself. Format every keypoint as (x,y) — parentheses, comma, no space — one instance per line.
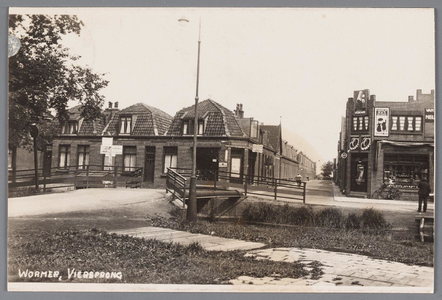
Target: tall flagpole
(192,205)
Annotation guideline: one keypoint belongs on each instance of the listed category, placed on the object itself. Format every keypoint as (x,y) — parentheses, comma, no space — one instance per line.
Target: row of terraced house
(152,140)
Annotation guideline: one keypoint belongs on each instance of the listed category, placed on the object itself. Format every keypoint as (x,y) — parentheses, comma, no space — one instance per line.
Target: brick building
(152,140)
(140,130)
(386,142)
(289,161)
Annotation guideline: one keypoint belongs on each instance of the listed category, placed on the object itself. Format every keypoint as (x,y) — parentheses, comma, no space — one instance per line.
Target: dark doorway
(149,164)
(359,170)
(251,169)
(207,163)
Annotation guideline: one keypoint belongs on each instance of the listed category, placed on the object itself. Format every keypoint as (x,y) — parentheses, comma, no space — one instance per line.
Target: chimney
(240,112)
(116,104)
(410,98)
(110,105)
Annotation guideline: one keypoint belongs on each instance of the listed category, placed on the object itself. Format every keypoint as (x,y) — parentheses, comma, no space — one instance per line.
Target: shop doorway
(251,168)
(207,163)
(359,170)
(236,166)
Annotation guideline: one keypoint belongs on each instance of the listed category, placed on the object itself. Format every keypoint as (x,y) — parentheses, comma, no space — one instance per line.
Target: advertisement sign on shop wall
(381,121)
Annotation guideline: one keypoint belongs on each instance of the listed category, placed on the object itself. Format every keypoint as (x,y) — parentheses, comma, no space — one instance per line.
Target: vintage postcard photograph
(254,150)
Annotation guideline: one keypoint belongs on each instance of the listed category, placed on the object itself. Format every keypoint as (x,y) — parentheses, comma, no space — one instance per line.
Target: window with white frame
(406,123)
(188,127)
(69,127)
(64,156)
(170,158)
(129,158)
(82,157)
(125,124)
(200,127)
(360,123)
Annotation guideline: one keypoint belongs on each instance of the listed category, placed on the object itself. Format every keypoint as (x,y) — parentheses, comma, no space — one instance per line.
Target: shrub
(353,221)
(285,214)
(373,219)
(329,217)
(304,216)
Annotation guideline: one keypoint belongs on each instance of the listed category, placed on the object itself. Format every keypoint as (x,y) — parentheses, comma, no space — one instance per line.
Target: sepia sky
(300,65)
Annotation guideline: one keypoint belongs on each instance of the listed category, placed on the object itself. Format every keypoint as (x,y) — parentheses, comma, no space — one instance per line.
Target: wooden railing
(260,186)
(86,177)
(176,184)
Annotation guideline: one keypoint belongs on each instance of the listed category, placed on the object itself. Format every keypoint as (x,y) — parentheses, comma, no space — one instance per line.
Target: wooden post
(215,180)
(212,209)
(276,188)
(303,193)
(115,176)
(87,177)
(245,185)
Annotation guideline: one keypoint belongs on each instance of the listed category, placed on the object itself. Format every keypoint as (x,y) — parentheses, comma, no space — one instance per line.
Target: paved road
(147,200)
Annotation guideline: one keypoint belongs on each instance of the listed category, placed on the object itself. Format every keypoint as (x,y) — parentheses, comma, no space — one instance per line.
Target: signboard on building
(107,141)
(360,101)
(104,149)
(257,148)
(117,149)
(381,121)
(429,115)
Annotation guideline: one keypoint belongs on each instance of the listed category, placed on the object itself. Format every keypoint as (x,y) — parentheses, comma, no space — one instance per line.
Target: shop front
(404,165)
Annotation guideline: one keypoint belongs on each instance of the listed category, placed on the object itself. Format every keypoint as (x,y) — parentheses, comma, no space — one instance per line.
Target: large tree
(43,75)
(327,169)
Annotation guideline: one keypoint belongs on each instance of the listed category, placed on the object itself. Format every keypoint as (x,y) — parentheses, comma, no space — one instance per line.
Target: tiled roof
(219,120)
(274,135)
(90,127)
(147,120)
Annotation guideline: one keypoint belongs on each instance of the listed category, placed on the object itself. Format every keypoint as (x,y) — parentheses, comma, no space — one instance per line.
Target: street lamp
(192,206)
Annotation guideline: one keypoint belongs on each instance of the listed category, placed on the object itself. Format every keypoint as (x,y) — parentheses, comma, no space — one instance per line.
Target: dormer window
(125,125)
(188,127)
(201,127)
(70,127)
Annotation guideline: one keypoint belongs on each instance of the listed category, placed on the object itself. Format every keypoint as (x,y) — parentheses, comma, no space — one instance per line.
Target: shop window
(82,157)
(405,170)
(69,127)
(64,156)
(125,125)
(129,158)
(406,123)
(170,158)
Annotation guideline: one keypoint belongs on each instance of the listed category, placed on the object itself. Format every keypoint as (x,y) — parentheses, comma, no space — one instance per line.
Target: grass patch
(388,245)
(138,260)
(331,217)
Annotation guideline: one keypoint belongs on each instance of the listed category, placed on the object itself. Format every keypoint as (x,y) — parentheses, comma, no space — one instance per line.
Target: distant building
(386,142)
